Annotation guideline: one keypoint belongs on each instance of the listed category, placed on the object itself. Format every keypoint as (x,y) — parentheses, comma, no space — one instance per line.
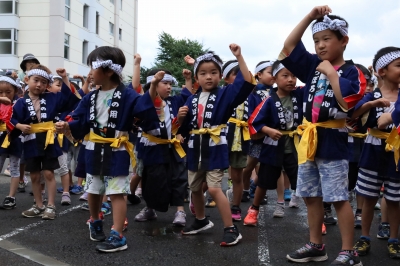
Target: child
(13,150)
(332,88)
(273,120)
(107,114)
(378,162)
(205,115)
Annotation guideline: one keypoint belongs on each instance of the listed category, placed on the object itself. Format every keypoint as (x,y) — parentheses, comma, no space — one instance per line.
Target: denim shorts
(323,178)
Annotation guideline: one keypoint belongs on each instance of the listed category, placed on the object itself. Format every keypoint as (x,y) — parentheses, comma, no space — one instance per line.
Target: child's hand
(381,103)
(325,67)
(26,129)
(183,111)
(180,138)
(235,49)
(61,126)
(158,77)
(5,100)
(187,74)
(274,134)
(384,120)
(319,11)
(136,59)
(189,60)
(61,72)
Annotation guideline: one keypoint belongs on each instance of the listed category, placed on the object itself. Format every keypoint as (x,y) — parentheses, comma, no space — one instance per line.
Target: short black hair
(233,71)
(332,17)
(216,57)
(261,70)
(275,65)
(382,52)
(365,71)
(108,53)
(153,72)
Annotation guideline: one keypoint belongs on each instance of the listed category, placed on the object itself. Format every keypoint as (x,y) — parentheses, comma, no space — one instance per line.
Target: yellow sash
(115,143)
(307,146)
(6,142)
(358,135)
(174,141)
(392,141)
(45,127)
(214,132)
(244,125)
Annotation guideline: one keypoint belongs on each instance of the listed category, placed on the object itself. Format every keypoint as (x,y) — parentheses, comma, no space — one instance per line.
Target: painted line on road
(263,250)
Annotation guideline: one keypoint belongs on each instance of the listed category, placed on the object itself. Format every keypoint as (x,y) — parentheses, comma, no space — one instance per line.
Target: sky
(260,27)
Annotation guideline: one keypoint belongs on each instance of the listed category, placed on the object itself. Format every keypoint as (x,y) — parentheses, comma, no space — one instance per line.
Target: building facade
(61,33)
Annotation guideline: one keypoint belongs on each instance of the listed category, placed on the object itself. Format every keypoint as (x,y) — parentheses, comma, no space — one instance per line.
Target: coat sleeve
(259,117)
(80,125)
(352,86)
(65,99)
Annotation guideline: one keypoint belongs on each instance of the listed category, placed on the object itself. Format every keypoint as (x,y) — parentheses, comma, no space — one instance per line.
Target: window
(120,34)
(85,46)
(67,9)
(8,41)
(112,1)
(86,16)
(9,7)
(120,4)
(66,46)
(97,22)
(111,28)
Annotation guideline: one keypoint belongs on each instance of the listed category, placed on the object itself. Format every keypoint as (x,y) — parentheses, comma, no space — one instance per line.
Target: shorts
(39,163)
(139,167)
(268,175)
(323,178)
(213,179)
(73,152)
(255,149)
(62,160)
(22,159)
(353,174)
(109,185)
(369,185)
(14,164)
(237,159)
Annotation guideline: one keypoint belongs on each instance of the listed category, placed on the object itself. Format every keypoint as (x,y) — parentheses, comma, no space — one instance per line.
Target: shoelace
(303,249)
(343,257)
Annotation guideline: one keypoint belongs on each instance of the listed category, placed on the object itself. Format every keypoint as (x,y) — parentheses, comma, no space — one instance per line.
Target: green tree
(143,74)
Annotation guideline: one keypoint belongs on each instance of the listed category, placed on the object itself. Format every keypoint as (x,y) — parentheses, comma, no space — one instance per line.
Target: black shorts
(39,163)
(353,175)
(268,175)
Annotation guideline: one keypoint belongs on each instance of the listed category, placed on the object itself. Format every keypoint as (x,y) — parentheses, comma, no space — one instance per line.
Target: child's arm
(237,52)
(369,105)
(63,74)
(187,74)
(182,113)
(136,70)
(296,34)
(5,100)
(154,82)
(86,83)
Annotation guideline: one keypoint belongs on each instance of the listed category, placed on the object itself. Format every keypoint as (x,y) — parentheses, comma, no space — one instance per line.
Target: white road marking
(263,250)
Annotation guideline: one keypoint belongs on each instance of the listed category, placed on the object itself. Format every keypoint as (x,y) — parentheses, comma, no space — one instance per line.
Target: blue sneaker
(85,206)
(96,230)
(61,189)
(253,187)
(287,195)
(106,208)
(77,190)
(383,231)
(113,244)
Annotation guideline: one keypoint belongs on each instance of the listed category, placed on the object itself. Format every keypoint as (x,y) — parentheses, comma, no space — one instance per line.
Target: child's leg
(95,188)
(135,180)
(36,188)
(251,164)
(196,180)
(315,215)
(280,188)
(64,172)
(286,181)
(15,174)
(346,223)
(237,185)
(393,214)
(119,211)
(51,186)
(222,204)
(267,180)
(384,211)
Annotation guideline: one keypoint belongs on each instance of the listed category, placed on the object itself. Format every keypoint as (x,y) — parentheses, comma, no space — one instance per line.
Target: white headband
(167,78)
(373,79)
(56,77)
(107,63)
(206,57)
(229,68)
(386,59)
(42,73)
(276,70)
(263,66)
(328,23)
(11,81)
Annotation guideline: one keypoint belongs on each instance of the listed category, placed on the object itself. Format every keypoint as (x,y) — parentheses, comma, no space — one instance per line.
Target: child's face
(37,84)
(164,89)
(285,80)
(328,46)
(56,86)
(99,76)
(208,76)
(7,90)
(29,64)
(231,78)
(265,77)
(391,73)
(370,87)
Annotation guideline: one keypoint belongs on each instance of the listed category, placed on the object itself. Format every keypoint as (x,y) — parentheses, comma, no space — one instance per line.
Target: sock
(255,207)
(349,251)
(232,226)
(358,211)
(246,190)
(317,246)
(280,202)
(393,240)
(235,206)
(66,193)
(365,238)
(202,219)
(385,223)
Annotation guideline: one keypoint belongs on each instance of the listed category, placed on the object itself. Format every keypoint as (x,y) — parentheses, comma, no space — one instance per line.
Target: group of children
(322,140)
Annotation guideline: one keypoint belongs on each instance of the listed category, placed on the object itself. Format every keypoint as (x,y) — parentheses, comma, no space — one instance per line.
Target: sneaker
(138,192)
(180,219)
(108,199)
(84,196)
(191,205)
(383,231)
(287,195)
(34,211)
(329,219)
(245,196)
(96,231)
(146,214)
(251,217)
(357,220)
(377,206)
(394,250)
(61,189)
(230,184)
(362,246)
(294,201)
(106,208)
(264,201)
(229,196)
(85,206)
(134,199)
(77,190)
(279,210)
(113,243)
(323,229)
(26,180)
(210,203)
(65,199)
(125,227)
(231,236)
(101,217)
(21,187)
(197,226)
(236,213)
(308,253)
(345,258)
(9,203)
(49,213)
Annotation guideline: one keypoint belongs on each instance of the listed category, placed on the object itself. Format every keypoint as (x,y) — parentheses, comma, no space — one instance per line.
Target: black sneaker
(394,250)
(357,220)
(345,258)
(197,226)
(362,246)
(9,203)
(113,244)
(133,199)
(21,187)
(264,201)
(308,253)
(96,231)
(329,219)
(245,196)
(231,236)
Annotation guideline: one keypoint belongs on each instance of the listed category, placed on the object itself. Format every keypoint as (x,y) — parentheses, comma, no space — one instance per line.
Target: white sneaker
(279,210)
(294,201)
(26,181)
(138,192)
(180,219)
(229,195)
(84,196)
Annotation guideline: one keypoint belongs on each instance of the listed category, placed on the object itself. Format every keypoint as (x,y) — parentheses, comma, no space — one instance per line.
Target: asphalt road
(65,241)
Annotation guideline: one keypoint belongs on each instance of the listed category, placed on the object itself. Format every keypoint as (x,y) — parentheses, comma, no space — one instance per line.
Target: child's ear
(345,41)
(382,72)
(26,79)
